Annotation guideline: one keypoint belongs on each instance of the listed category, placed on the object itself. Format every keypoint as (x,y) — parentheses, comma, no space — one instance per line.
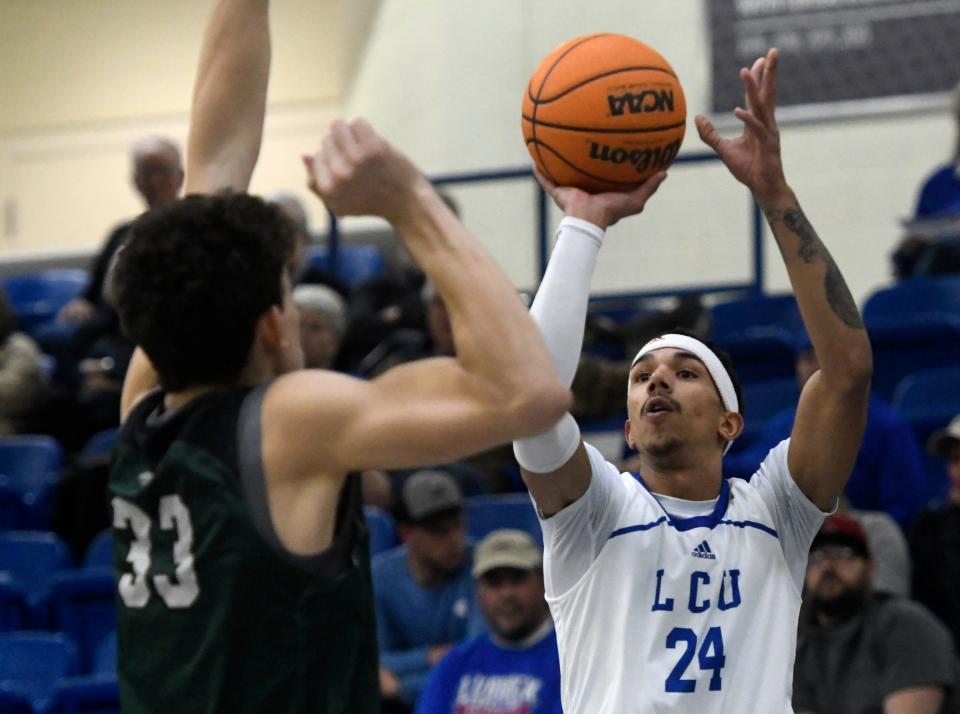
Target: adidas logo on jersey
(703,551)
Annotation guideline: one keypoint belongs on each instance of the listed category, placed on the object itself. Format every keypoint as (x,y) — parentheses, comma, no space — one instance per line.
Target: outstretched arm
(500,385)
(229,97)
(833,405)
(554,464)
(226,126)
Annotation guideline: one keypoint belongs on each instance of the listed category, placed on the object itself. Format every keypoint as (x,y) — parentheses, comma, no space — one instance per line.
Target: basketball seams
(567,127)
(537,101)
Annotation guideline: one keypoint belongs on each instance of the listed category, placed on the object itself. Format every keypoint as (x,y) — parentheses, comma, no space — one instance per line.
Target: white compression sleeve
(560,307)
(560,311)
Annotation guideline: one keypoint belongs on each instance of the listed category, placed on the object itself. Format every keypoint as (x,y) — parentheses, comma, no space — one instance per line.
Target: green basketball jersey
(213,614)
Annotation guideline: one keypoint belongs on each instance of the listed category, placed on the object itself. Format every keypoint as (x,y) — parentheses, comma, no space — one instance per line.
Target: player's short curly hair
(193,279)
(725,360)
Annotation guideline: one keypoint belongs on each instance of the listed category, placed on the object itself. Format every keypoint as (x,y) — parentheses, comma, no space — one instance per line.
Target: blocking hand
(753,157)
(357,172)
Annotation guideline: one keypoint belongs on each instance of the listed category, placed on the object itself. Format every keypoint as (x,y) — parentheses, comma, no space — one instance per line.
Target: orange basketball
(602,113)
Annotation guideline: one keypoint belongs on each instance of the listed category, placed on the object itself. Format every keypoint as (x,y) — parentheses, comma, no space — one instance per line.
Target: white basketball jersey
(661,614)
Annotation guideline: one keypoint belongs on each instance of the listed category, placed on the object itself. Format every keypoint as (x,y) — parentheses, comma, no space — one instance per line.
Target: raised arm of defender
(832,411)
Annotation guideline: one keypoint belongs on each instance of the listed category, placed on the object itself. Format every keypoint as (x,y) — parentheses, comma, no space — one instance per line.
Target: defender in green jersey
(240,555)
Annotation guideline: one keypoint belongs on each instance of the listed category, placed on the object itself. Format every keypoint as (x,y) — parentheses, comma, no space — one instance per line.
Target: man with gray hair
(323,318)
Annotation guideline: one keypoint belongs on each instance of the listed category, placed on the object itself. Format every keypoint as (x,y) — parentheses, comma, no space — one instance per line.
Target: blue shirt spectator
(516,668)
(423,590)
(888,475)
(483,677)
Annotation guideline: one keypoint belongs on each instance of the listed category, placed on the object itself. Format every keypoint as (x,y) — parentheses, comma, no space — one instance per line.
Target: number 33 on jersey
(177,589)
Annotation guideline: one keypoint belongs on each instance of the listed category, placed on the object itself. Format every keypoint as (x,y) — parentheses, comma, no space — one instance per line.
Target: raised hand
(357,172)
(601,209)
(753,157)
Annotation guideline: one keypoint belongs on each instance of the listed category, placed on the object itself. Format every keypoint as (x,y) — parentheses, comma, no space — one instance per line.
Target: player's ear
(627,434)
(270,329)
(731,425)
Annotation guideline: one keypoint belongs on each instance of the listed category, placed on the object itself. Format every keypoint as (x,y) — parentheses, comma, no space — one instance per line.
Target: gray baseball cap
(942,440)
(429,493)
(506,548)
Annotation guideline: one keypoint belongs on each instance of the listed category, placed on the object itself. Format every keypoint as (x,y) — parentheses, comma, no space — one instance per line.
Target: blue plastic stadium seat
(37,297)
(914,298)
(12,701)
(30,466)
(101,443)
(755,315)
(486,514)
(913,325)
(32,662)
(84,607)
(100,551)
(97,694)
(761,334)
(356,263)
(31,559)
(383,533)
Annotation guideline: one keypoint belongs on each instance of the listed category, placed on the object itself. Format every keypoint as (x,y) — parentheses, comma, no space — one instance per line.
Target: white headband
(717,371)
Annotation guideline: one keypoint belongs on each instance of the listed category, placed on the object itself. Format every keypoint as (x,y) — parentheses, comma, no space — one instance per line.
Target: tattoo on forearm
(812,249)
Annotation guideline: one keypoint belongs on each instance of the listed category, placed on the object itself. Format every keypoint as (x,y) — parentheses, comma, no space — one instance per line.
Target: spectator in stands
(860,651)
(423,589)
(888,548)
(888,475)
(935,541)
(305,272)
(23,385)
(516,667)
(323,317)
(157,176)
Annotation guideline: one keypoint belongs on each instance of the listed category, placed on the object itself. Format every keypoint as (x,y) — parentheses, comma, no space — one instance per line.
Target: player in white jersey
(680,591)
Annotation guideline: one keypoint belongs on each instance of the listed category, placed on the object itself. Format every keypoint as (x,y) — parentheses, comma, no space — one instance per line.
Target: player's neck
(691,482)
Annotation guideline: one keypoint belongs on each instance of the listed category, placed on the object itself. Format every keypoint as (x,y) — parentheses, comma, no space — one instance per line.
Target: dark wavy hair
(193,279)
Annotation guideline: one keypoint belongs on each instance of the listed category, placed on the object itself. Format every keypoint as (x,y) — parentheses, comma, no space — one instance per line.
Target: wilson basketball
(603,112)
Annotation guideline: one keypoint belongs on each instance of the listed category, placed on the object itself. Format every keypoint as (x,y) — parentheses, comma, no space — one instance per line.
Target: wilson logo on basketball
(649,100)
(642,159)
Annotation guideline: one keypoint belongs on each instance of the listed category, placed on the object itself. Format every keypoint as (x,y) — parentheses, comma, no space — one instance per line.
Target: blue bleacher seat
(357,263)
(30,465)
(14,513)
(97,694)
(486,514)
(915,298)
(737,318)
(37,297)
(383,533)
(84,607)
(31,662)
(914,324)
(12,701)
(928,399)
(762,401)
(100,550)
(13,609)
(31,559)
(761,335)
(101,443)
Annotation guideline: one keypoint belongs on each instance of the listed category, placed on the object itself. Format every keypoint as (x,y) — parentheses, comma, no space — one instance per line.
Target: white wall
(80,80)
(444,79)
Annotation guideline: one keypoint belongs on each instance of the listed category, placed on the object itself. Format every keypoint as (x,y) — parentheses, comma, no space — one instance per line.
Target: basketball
(603,112)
